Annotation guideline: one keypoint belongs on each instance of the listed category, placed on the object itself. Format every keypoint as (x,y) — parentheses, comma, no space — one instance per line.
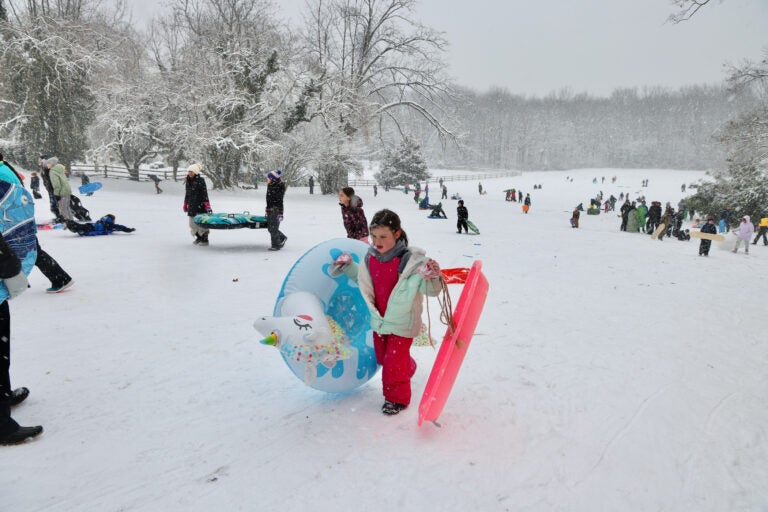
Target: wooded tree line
(633,128)
(225,83)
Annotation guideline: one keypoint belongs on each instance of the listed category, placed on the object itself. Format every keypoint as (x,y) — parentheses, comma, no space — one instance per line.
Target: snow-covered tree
(227,65)
(51,53)
(372,59)
(373,65)
(403,165)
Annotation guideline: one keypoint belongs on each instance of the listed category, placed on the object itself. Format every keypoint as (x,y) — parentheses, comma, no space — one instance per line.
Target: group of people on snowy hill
(636,217)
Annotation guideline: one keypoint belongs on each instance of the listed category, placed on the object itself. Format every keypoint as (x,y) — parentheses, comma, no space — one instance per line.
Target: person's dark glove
(58,198)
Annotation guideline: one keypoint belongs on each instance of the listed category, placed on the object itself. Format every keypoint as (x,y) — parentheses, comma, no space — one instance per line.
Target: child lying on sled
(104,226)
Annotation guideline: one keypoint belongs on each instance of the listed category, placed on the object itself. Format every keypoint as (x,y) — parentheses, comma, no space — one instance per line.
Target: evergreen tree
(744,188)
(404,165)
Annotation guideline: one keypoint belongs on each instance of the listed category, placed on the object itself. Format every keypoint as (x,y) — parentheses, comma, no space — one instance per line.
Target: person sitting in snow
(437,211)
(104,226)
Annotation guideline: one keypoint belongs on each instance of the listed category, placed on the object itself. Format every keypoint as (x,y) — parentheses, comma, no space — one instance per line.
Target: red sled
(455,344)
(455,275)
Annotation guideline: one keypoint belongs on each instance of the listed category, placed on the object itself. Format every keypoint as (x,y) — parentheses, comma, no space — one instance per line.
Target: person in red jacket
(393,278)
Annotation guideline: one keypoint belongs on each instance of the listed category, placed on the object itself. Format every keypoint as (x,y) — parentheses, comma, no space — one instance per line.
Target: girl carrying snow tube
(321,325)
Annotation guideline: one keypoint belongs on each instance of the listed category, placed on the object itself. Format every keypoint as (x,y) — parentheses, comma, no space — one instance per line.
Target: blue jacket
(104,226)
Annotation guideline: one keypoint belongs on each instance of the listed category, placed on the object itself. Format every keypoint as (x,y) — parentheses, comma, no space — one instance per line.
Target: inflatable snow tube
(18,227)
(230,220)
(321,325)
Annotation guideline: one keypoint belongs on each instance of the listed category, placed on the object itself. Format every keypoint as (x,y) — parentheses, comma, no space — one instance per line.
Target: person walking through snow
(353,215)
(705,244)
(744,234)
(393,278)
(275,194)
(196,202)
(463,216)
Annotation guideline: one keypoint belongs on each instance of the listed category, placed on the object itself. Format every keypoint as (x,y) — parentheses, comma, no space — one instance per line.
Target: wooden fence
(477,176)
(113,171)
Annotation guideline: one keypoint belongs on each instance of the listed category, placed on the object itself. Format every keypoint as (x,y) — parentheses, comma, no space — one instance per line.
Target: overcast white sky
(534,47)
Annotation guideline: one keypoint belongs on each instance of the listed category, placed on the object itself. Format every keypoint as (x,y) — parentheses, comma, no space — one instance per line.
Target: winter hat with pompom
(275,175)
(52,161)
(195,168)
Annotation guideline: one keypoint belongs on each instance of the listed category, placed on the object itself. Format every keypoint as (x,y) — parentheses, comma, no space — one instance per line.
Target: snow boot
(56,288)
(18,395)
(20,435)
(204,240)
(392,408)
(197,240)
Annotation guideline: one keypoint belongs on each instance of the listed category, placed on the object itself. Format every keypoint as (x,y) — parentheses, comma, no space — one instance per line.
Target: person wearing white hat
(196,202)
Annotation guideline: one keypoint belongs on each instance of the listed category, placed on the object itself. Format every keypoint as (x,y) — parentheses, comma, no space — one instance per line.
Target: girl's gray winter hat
(53,161)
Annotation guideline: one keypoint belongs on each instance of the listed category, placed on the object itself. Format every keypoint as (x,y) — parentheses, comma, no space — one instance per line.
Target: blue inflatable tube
(343,305)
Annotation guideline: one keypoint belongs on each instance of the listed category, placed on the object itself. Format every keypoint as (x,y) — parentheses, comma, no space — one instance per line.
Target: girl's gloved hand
(342,261)
(430,270)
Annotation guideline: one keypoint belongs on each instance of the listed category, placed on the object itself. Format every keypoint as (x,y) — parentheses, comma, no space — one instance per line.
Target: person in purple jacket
(353,215)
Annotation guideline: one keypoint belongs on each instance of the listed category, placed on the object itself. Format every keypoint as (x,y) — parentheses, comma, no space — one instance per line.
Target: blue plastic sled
(89,188)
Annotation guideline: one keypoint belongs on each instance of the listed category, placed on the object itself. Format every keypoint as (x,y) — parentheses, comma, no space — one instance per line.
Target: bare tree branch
(686,9)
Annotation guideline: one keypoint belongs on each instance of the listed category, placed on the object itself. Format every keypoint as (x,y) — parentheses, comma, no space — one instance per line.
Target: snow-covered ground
(609,372)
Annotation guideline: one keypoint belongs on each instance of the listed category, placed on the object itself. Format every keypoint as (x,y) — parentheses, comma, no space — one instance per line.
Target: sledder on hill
(104,226)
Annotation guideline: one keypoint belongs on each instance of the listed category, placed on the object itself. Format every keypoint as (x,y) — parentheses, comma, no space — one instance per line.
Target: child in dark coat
(463,215)
(705,244)
(274,210)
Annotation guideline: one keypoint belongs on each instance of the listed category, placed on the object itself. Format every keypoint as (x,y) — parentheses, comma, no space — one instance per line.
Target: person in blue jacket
(50,268)
(104,226)
(18,212)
